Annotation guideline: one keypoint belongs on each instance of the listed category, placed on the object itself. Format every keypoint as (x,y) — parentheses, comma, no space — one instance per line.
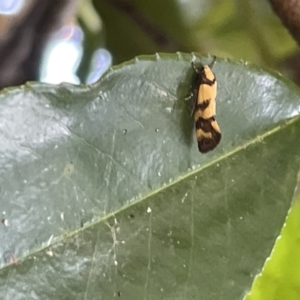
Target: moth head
(207,73)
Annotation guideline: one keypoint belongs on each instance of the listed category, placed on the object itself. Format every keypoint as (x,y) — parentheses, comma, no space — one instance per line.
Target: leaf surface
(106,194)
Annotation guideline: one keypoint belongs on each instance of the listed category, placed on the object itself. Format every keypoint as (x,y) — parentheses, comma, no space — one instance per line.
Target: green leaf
(106,194)
(280,276)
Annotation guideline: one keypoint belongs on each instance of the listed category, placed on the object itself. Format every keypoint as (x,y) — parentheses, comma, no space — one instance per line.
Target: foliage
(106,194)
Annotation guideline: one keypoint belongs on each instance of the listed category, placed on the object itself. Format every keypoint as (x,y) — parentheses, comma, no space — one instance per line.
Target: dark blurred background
(78,40)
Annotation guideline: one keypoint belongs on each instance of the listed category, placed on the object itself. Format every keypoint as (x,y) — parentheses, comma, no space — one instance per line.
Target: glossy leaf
(104,193)
(280,277)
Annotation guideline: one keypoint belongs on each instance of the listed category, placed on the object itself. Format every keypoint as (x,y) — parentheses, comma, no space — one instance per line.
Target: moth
(204,92)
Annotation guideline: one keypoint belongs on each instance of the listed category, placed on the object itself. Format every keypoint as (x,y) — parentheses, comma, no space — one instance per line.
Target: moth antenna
(213,61)
(194,67)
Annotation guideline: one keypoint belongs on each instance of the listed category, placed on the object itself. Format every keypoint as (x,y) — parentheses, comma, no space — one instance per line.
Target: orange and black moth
(204,92)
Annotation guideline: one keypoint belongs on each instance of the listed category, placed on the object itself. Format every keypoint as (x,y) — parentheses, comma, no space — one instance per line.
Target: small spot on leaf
(5,222)
(69,169)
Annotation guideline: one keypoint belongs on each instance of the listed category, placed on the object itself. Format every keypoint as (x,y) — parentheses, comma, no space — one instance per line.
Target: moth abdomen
(208,134)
